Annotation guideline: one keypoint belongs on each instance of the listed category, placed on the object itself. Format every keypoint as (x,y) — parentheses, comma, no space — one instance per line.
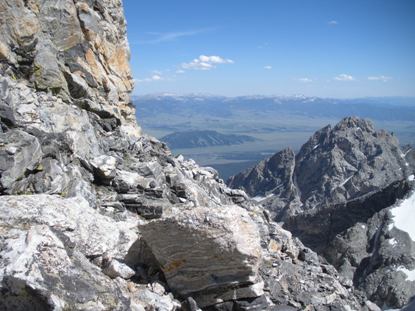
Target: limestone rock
(45,245)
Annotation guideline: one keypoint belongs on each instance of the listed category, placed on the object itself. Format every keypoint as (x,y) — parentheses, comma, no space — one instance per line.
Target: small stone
(158,288)
(11,150)
(117,269)
(104,167)
(371,306)
(190,305)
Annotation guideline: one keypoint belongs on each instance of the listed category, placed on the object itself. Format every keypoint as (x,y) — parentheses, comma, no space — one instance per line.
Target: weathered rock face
(379,256)
(74,49)
(354,159)
(335,195)
(298,279)
(409,153)
(96,216)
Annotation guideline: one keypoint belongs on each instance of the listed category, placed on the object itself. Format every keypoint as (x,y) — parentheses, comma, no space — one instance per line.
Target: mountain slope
(194,139)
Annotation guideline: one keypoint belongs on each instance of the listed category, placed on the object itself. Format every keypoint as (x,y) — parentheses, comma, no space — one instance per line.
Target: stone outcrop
(335,195)
(95,215)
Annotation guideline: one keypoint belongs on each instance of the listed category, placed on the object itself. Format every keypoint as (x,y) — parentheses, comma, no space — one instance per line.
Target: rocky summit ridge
(338,195)
(96,215)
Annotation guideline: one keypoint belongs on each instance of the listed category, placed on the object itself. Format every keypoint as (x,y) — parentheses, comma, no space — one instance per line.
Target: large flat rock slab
(205,249)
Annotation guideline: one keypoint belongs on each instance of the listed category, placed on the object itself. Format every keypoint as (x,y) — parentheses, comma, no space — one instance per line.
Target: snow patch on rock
(262,198)
(404,214)
(409,273)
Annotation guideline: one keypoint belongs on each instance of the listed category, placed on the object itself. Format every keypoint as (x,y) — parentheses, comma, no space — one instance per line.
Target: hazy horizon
(203,94)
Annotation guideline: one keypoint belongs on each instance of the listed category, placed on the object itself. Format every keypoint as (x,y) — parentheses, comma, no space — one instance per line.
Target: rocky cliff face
(77,50)
(337,195)
(95,215)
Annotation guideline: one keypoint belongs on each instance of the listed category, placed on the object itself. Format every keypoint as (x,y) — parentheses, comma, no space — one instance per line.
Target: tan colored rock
(4,51)
(23,28)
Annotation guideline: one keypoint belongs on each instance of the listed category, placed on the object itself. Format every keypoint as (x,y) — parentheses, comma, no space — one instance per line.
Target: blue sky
(327,48)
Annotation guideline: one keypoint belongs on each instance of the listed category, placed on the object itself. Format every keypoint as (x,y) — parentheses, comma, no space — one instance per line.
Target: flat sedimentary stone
(246,292)
(204,248)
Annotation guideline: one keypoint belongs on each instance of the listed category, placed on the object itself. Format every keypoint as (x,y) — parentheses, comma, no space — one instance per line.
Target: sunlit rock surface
(87,199)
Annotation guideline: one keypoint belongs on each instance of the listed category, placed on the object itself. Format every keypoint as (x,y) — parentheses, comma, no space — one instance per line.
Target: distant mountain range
(167,113)
(206,138)
(381,108)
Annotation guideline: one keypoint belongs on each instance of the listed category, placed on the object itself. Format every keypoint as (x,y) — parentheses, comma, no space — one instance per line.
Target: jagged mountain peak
(336,164)
(355,123)
(336,194)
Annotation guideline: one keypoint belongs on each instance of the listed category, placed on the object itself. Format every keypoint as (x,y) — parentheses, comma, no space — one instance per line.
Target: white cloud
(379,78)
(154,77)
(268,67)
(204,62)
(305,80)
(179,71)
(333,23)
(344,77)
(160,37)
